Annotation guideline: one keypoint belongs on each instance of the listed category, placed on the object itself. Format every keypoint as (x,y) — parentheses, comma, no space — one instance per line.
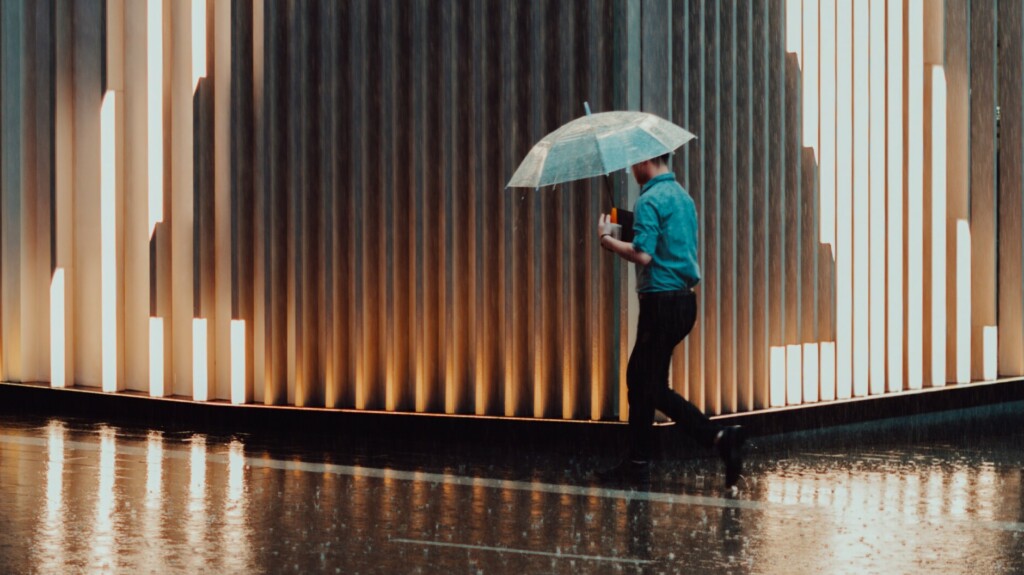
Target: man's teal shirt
(665,227)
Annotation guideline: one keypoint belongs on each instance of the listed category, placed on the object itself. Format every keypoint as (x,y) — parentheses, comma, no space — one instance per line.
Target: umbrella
(597,145)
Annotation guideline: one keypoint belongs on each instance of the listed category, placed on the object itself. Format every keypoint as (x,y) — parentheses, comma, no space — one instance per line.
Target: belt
(655,295)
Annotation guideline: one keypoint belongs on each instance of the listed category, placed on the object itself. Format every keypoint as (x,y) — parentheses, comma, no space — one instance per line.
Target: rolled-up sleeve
(646,227)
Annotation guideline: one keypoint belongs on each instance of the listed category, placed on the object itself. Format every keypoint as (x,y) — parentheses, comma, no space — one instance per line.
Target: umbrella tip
(586,107)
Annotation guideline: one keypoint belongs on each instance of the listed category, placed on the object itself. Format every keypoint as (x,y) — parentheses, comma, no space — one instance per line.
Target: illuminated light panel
(827,351)
(860,198)
(57,354)
(777,380)
(810,75)
(198,42)
(915,192)
(156,357)
(894,183)
(108,239)
(794,371)
(811,375)
(963,301)
(844,201)
(990,351)
(794,25)
(827,205)
(154,79)
(877,207)
(200,382)
(238,361)
(938,201)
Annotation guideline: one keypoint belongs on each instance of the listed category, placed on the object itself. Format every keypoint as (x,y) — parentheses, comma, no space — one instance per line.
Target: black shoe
(628,471)
(730,449)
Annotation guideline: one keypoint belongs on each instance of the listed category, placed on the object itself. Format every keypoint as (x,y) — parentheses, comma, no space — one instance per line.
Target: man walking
(664,249)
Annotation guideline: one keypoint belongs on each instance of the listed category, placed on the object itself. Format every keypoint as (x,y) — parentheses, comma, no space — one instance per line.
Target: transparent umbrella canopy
(597,145)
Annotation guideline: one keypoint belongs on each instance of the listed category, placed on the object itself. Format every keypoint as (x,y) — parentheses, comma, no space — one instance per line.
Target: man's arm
(625,250)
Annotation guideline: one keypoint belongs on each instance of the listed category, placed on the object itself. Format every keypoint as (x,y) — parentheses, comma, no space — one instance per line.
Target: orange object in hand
(615,215)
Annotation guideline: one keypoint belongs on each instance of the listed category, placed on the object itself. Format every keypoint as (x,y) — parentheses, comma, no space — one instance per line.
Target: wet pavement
(929,494)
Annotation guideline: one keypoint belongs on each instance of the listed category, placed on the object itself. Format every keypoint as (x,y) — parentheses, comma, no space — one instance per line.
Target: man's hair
(664,160)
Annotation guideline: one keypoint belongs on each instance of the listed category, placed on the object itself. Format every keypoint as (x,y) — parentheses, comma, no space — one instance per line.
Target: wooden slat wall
(335,178)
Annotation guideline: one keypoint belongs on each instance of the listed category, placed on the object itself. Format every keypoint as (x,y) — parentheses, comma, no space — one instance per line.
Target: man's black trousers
(665,319)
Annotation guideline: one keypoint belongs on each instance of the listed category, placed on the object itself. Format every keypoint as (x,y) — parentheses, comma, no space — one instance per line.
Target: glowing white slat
(108,239)
(990,352)
(154,79)
(777,397)
(200,382)
(810,75)
(861,196)
(198,42)
(794,373)
(938,239)
(915,192)
(156,357)
(876,219)
(963,301)
(810,362)
(827,349)
(794,27)
(58,374)
(827,215)
(844,199)
(894,179)
(238,361)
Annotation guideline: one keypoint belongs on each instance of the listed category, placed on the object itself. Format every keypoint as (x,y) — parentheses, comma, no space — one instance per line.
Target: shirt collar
(656,179)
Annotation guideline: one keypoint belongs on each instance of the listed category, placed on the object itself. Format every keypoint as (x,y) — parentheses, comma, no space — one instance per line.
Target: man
(664,250)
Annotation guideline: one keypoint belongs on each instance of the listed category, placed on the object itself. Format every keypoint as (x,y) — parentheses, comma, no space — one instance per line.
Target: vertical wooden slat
(791,221)
(680,90)
(776,193)
(827,211)
(728,211)
(744,219)
(844,199)
(984,229)
(915,195)
(934,136)
(260,316)
(895,191)
(876,192)
(958,74)
(63,163)
(204,208)
(697,151)
(1011,189)
(761,111)
(861,199)
(711,218)
(241,181)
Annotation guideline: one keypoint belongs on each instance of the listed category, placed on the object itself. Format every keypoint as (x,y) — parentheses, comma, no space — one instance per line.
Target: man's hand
(605,227)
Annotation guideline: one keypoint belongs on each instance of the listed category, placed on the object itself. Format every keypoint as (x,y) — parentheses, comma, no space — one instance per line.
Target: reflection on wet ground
(80,496)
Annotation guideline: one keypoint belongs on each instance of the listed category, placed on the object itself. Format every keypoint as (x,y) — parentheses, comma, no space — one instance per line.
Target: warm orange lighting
(877,207)
(915,193)
(963,301)
(777,396)
(238,361)
(200,382)
(794,375)
(198,42)
(894,183)
(108,239)
(155,96)
(938,223)
(811,375)
(57,352)
(156,357)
